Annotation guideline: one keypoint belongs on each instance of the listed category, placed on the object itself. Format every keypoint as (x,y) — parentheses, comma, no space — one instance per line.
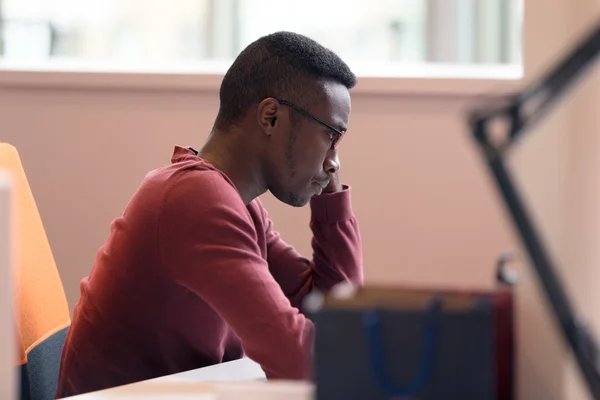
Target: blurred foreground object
(7,338)
(496,127)
(382,342)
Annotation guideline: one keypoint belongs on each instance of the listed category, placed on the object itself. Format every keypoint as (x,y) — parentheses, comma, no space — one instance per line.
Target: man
(193,272)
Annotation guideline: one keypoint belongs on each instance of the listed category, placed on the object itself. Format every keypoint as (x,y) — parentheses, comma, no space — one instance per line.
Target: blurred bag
(385,343)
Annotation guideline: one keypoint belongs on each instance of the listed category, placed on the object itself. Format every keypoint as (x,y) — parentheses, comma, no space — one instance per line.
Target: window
(173,32)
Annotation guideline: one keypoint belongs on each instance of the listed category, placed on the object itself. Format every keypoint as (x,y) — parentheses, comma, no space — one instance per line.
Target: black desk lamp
(521,111)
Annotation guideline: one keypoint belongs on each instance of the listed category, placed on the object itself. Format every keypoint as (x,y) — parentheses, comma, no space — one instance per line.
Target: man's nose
(332,162)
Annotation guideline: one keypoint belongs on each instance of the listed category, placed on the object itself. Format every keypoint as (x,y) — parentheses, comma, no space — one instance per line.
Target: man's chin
(293,200)
(298,201)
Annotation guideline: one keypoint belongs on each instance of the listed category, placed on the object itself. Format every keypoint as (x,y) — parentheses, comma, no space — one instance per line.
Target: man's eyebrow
(339,125)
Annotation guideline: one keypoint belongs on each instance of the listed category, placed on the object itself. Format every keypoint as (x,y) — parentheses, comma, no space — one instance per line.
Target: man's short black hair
(281,65)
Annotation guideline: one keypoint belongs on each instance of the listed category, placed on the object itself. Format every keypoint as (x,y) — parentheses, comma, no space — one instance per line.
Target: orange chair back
(42,312)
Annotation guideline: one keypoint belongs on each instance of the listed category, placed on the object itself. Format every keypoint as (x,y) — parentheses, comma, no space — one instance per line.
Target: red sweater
(190,276)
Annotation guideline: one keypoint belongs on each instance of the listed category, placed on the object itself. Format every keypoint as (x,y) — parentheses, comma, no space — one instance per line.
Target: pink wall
(424,202)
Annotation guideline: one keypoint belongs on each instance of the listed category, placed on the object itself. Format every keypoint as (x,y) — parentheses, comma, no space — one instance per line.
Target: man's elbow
(289,361)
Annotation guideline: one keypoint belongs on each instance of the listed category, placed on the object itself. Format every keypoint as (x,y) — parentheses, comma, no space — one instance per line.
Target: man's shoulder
(196,185)
(201,202)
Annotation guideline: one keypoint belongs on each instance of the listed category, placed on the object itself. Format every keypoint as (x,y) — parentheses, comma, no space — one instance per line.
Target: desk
(243,369)
(233,380)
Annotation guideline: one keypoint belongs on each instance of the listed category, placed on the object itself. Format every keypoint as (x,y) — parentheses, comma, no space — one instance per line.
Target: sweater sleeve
(337,250)
(208,244)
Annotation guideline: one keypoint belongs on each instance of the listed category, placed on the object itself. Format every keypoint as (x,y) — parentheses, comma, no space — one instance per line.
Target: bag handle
(372,327)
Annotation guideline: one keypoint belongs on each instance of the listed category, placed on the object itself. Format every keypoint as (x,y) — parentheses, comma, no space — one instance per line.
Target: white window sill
(377,79)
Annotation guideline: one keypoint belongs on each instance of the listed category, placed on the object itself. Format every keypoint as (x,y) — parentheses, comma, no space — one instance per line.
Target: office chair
(42,313)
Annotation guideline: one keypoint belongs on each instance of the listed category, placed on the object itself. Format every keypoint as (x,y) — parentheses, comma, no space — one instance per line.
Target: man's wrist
(332,207)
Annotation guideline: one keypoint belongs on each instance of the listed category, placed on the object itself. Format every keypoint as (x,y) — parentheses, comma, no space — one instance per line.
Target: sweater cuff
(332,207)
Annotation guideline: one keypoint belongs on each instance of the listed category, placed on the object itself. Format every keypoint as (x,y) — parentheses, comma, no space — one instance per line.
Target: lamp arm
(521,112)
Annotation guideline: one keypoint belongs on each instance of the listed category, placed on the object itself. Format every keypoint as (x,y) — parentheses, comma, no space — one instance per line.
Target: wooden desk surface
(240,379)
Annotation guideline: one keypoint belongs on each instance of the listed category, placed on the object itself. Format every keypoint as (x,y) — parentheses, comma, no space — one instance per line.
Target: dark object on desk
(383,343)
(520,112)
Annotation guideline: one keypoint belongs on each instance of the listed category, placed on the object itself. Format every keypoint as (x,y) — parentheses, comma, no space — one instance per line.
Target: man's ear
(267,115)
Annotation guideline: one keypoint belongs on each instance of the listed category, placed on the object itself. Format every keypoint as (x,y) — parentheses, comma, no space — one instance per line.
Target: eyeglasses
(336,135)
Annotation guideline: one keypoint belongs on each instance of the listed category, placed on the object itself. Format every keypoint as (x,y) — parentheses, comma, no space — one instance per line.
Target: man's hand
(334,184)
(334,179)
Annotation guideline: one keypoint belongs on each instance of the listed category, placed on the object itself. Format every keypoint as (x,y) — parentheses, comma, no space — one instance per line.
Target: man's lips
(322,184)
